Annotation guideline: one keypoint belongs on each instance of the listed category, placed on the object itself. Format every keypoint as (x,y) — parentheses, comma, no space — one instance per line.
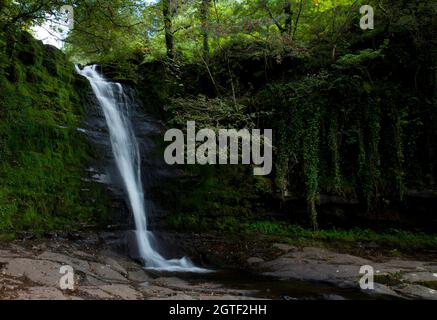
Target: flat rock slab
(38,271)
(138,276)
(121,291)
(284,247)
(32,272)
(414,277)
(254,260)
(343,270)
(8,254)
(105,272)
(415,291)
(43,293)
(77,264)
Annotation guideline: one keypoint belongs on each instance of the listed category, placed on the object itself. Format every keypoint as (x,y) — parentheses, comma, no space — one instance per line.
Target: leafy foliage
(353,111)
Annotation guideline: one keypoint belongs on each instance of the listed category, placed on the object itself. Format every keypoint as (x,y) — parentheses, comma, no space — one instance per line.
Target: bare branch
(297,19)
(277,23)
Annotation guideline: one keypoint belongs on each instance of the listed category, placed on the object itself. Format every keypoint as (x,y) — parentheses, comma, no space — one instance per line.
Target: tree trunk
(168,27)
(204,14)
(313,214)
(288,17)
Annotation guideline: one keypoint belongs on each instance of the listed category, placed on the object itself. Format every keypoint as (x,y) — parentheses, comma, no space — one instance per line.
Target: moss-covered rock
(43,156)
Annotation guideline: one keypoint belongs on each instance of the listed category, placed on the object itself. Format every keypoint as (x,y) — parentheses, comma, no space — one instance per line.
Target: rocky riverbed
(393,278)
(30,269)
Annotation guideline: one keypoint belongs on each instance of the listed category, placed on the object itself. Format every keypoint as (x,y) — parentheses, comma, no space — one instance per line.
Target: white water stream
(112,100)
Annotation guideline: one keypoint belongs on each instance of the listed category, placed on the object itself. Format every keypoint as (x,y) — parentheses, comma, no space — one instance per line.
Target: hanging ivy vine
(333,143)
(361,123)
(310,164)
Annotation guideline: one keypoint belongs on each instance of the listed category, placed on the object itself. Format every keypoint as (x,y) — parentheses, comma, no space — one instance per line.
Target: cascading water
(112,100)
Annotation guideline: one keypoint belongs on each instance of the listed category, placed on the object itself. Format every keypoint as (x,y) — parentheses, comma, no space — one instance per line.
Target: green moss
(43,157)
(196,222)
(399,240)
(429,284)
(7,236)
(396,242)
(389,279)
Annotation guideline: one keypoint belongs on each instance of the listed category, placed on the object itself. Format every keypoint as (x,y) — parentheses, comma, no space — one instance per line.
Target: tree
(109,30)
(27,12)
(204,14)
(168,13)
(289,27)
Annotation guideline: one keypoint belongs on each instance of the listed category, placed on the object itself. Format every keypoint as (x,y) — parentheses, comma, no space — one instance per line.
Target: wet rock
(172,283)
(93,281)
(307,270)
(83,255)
(284,247)
(115,266)
(122,291)
(398,264)
(382,290)
(7,254)
(418,292)
(42,293)
(179,296)
(203,289)
(9,284)
(420,277)
(105,272)
(38,271)
(333,297)
(342,270)
(32,271)
(76,264)
(96,293)
(254,260)
(155,292)
(138,276)
(330,257)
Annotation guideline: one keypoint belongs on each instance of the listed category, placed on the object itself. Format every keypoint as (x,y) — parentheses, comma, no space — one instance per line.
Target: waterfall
(113,102)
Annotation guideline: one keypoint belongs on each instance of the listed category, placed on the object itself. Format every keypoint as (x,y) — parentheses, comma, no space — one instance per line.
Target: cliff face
(43,153)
